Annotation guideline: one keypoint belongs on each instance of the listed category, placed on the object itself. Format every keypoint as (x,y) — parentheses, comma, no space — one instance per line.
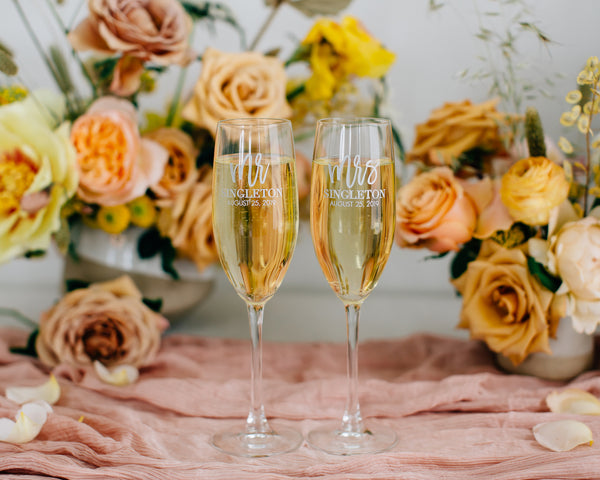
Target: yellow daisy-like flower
(339,50)
(143,213)
(113,219)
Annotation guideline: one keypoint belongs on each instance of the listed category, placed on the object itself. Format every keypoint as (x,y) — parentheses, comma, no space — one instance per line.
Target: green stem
(588,149)
(265,25)
(76,56)
(176,98)
(75,14)
(38,46)
(9,312)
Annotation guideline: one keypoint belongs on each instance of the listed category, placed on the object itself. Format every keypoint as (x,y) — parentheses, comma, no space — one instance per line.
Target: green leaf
(310,8)
(7,64)
(463,257)
(75,284)
(549,281)
(301,54)
(149,243)
(154,304)
(436,256)
(296,91)
(29,349)
(34,253)
(168,255)
(209,11)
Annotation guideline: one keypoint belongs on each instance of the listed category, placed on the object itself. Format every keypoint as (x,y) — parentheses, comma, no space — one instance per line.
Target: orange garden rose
(532,187)
(180,172)
(188,222)
(504,305)
(141,30)
(115,165)
(433,211)
(237,85)
(107,322)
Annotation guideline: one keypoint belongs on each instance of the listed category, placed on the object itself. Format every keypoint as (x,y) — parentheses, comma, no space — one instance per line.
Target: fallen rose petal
(562,435)
(573,400)
(29,421)
(48,391)
(120,376)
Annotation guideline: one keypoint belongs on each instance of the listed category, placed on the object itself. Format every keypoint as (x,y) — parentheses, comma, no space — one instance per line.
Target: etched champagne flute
(255,221)
(352,220)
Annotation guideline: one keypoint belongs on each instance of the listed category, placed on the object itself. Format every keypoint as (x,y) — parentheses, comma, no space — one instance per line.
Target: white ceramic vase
(572,354)
(102,256)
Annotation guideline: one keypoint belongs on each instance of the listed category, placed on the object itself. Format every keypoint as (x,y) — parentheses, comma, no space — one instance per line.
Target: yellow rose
(188,222)
(455,128)
(531,188)
(237,85)
(339,50)
(504,305)
(37,176)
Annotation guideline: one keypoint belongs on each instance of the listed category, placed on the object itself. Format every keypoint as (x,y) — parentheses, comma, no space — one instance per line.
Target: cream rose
(37,176)
(180,172)
(532,188)
(115,165)
(504,306)
(574,255)
(107,322)
(433,211)
(237,85)
(188,223)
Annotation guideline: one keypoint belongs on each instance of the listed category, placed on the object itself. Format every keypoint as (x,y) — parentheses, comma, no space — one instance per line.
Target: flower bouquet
(91,161)
(523,221)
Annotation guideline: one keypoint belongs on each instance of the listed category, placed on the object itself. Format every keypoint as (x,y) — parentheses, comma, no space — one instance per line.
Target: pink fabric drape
(456,415)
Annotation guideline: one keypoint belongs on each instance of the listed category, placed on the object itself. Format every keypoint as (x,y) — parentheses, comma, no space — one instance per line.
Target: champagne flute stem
(256,421)
(352,420)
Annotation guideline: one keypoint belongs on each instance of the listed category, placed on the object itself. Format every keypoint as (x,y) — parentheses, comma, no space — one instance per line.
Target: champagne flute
(255,221)
(352,220)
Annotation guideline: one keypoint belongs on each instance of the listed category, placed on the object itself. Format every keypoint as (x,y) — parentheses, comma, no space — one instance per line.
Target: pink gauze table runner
(456,415)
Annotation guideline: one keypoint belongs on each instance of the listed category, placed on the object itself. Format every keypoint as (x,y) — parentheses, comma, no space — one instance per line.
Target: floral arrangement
(521,217)
(95,159)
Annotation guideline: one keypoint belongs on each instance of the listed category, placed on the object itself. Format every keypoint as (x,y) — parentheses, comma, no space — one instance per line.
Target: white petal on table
(29,421)
(562,435)
(48,391)
(120,376)
(573,400)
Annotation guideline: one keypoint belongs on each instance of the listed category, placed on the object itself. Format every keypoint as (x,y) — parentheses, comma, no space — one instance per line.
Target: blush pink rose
(115,164)
(433,211)
(492,214)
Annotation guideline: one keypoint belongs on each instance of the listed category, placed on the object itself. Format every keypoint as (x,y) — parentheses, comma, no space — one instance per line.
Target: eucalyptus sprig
(582,114)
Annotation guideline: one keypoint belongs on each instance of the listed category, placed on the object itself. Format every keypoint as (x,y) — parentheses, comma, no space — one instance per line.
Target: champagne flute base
(335,441)
(244,444)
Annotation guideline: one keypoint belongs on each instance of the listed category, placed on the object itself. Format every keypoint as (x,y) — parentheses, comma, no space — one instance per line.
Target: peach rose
(237,85)
(141,30)
(115,165)
(433,211)
(492,214)
(188,223)
(180,172)
(504,306)
(107,322)
(532,188)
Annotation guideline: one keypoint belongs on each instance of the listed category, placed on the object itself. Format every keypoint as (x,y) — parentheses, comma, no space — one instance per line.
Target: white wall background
(431,48)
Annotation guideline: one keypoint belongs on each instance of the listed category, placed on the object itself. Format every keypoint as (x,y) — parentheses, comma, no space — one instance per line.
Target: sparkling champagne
(352,216)
(255,221)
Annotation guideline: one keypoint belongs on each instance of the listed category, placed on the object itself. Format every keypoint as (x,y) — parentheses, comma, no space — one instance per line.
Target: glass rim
(254,122)
(352,121)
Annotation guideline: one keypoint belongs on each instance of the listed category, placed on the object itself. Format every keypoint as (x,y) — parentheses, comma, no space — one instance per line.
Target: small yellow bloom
(568,119)
(585,77)
(583,124)
(143,213)
(113,219)
(531,188)
(340,50)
